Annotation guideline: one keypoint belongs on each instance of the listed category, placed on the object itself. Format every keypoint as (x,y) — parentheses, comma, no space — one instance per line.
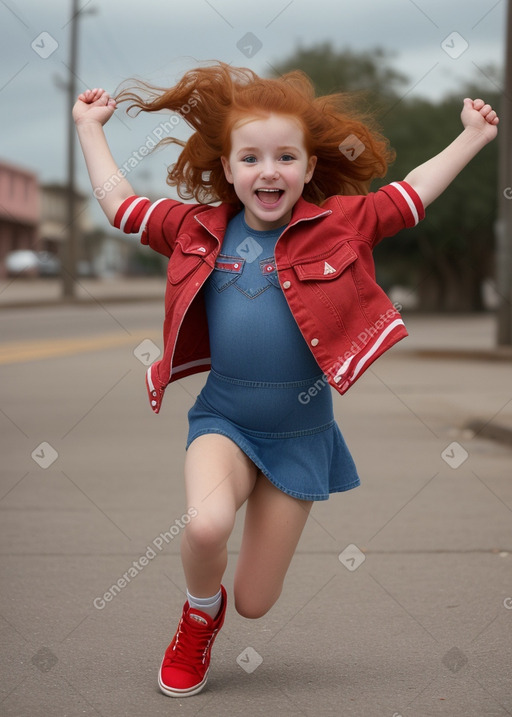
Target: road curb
(499,353)
(493,431)
(85,301)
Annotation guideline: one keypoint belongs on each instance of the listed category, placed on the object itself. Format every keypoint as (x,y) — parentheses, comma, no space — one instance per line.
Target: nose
(269,169)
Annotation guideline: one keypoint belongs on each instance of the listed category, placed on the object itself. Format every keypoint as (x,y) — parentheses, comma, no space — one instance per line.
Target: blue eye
(287,158)
(250,159)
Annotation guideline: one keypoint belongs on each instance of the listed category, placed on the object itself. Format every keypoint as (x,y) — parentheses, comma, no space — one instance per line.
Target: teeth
(268,190)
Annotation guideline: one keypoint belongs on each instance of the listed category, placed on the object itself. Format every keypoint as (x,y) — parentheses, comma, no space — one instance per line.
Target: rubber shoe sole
(182,693)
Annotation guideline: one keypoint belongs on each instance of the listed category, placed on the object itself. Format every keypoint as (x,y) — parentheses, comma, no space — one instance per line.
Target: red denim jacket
(325,268)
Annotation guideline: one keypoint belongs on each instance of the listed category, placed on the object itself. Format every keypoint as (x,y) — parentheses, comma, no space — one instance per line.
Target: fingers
(488,113)
(485,110)
(97,95)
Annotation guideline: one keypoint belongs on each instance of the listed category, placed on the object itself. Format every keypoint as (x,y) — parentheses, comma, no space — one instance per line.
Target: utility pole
(504,222)
(69,258)
(70,246)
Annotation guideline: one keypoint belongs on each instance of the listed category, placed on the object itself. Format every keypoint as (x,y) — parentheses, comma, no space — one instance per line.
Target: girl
(272,290)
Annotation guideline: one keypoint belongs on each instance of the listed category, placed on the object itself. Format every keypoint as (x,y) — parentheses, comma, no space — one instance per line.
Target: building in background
(54,224)
(20,211)
(100,252)
(33,226)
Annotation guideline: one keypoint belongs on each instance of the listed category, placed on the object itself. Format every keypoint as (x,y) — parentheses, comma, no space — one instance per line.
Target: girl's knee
(206,533)
(253,606)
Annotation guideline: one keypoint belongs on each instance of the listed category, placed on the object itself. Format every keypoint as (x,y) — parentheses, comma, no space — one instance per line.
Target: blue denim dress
(265,390)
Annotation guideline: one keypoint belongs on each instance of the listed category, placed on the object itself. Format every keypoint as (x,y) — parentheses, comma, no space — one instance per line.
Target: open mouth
(269,196)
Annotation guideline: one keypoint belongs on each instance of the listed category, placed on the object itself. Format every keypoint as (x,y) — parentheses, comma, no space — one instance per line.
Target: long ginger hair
(213,99)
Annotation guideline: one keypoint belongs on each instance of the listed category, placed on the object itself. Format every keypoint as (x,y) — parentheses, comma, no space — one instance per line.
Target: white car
(30,263)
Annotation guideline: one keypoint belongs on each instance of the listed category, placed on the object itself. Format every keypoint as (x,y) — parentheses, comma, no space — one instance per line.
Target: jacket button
(314,342)
(287,284)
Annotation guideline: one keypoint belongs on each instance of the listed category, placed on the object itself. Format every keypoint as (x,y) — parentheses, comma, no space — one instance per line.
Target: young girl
(273,291)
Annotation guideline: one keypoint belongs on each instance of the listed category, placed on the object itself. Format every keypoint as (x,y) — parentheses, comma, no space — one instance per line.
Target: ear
(227,169)
(310,169)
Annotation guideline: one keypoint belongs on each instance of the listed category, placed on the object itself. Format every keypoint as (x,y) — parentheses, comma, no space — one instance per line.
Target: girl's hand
(432,177)
(481,117)
(93,106)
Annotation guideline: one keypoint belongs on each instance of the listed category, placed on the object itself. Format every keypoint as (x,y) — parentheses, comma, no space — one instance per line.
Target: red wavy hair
(214,98)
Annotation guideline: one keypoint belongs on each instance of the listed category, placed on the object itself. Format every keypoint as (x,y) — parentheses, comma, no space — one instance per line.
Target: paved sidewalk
(465,341)
(465,337)
(24,293)
(398,602)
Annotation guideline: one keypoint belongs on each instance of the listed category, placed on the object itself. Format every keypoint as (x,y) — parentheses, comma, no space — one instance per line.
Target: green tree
(369,74)
(448,256)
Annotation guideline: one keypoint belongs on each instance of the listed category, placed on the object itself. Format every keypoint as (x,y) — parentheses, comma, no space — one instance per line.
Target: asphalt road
(398,602)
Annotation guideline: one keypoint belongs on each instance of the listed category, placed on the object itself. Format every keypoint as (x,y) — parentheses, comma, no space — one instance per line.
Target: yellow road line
(23,351)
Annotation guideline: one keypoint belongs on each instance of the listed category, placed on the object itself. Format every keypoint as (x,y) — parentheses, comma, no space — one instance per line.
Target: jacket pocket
(329,266)
(187,255)
(269,271)
(227,270)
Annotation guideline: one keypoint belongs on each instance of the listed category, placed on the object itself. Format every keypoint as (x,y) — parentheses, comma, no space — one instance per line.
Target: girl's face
(268,166)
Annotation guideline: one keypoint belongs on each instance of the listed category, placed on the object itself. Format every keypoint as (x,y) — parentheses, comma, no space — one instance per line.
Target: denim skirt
(286,429)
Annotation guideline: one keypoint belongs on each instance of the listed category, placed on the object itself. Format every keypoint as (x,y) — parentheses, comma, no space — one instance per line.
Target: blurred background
(90,476)
(412,62)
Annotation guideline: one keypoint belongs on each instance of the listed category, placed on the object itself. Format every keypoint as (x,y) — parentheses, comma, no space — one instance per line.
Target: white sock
(209,605)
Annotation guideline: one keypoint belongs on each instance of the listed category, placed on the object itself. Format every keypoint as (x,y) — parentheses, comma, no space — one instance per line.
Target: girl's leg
(273,525)
(219,477)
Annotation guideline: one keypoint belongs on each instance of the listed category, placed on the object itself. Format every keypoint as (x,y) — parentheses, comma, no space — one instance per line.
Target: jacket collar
(215,218)
(304,210)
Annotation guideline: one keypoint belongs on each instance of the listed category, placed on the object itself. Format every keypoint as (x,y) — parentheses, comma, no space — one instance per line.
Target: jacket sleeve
(384,213)
(158,222)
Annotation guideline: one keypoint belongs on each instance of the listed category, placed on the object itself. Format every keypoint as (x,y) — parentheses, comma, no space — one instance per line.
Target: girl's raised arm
(480,127)
(92,110)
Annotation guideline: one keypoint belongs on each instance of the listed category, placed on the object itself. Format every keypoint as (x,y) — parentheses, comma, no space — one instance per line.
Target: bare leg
(219,477)
(273,525)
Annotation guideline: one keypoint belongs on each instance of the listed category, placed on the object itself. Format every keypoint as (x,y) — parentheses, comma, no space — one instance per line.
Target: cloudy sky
(438,44)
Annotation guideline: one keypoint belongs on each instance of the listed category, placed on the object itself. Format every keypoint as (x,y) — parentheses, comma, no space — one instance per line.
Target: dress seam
(269,384)
(270,435)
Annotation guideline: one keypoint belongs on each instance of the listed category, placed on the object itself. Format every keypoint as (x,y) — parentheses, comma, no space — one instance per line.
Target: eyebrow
(285,148)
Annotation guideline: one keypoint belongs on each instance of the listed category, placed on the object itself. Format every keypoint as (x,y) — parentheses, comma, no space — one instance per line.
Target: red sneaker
(186,662)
